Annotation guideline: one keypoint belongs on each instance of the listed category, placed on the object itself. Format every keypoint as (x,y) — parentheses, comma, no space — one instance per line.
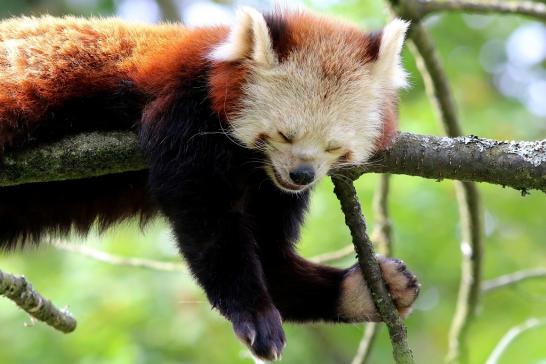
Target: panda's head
(315,92)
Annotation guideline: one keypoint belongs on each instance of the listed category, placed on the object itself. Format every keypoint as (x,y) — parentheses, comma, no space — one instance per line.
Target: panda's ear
(388,64)
(248,38)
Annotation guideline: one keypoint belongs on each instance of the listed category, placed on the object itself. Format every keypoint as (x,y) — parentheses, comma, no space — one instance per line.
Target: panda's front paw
(402,284)
(261,332)
(355,303)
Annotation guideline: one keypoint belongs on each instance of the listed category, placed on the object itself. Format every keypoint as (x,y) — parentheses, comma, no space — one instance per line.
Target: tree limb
(364,349)
(331,256)
(521,165)
(527,8)
(513,278)
(117,260)
(80,156)
(169,11)
(371,271)
(382,237)
(510,336)
(21,292)
(468,197)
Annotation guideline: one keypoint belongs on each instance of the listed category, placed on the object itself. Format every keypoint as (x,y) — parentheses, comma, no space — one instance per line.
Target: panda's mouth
(285,185)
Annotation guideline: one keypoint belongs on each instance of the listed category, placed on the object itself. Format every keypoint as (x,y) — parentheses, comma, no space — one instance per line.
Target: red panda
(237,123)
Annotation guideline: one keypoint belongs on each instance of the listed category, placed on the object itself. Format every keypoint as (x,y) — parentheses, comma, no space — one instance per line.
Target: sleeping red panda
(237,124)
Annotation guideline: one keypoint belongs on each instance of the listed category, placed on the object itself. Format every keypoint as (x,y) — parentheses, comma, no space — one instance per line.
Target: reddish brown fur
(46,61)
(226,81)
(54,60)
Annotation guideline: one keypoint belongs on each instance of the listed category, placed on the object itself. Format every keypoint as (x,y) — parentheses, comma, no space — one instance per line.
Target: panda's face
(306,122)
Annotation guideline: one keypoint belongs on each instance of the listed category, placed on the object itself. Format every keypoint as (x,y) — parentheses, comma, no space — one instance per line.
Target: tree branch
(117,260)
(331,256)
(512,278)
(468,196)
(371,271)
(364,349)
(80,156)
(521,165)
(510,336)
(382,232)
(526,8)
(21,292)
(382,237)
(169,11)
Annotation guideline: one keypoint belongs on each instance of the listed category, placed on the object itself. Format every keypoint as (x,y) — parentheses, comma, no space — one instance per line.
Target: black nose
(302,175)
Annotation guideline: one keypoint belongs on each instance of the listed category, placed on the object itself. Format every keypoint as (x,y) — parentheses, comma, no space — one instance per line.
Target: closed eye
(334,148)
(285,138)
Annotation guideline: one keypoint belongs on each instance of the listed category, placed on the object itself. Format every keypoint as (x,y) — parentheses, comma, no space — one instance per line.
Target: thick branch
(79,156)
(21,292)
(521,165)
(526,8)
(371,271)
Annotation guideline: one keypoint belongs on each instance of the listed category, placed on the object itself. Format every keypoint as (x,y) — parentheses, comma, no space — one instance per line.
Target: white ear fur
(388,63)
(249,37)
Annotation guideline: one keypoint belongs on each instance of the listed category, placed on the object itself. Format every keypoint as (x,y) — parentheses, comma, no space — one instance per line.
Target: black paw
(262,332)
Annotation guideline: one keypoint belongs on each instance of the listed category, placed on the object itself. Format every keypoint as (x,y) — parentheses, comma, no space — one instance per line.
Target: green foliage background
(130,315)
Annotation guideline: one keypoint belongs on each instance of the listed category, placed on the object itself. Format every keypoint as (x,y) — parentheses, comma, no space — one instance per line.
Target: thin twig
(117,260)
(527,8)
(365,346)
(354,219)
(435,79)
(512,279)
(382,237)
(332,256)
(468,196)
(382,233)
(469,288)
(510,336)
(21,292)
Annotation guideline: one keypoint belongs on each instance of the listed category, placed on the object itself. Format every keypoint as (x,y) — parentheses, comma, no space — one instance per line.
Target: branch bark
(80,156)
(521,165)
(371,271)
(382,237)
(21,292)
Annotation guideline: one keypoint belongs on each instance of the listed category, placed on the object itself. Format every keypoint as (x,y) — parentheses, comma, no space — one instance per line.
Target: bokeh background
(496,65)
